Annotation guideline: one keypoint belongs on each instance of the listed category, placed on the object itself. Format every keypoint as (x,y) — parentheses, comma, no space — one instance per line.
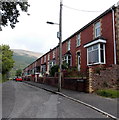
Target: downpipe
(114,35)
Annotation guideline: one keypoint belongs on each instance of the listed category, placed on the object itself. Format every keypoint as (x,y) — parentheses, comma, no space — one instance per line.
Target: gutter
(114,35)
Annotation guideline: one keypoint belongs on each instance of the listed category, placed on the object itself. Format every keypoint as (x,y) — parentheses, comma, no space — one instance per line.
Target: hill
(22,59)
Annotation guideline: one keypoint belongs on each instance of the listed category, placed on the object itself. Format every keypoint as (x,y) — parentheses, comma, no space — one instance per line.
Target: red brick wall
(73,50)
(108,34)
(67,83)
(87,36)
(64,47)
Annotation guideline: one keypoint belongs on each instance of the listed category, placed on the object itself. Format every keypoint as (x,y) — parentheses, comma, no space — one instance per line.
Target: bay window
(96,52)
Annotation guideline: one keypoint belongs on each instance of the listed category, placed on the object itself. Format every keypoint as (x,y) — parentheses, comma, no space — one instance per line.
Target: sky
(32,33)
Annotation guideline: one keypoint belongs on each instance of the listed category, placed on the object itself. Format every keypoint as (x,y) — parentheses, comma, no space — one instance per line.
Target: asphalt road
(20,100)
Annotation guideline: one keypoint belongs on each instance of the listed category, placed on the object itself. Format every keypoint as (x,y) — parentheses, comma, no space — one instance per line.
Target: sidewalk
(105,104)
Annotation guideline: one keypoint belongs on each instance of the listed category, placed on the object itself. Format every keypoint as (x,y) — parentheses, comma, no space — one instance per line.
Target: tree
(18,72)
(7,60)
(9,12)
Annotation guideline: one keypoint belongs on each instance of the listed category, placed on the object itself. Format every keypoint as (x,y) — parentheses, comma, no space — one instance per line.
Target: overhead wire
(79,9)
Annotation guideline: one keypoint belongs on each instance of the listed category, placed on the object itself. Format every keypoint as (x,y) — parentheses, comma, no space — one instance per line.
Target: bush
(53,70)
(108,93)
(65,66)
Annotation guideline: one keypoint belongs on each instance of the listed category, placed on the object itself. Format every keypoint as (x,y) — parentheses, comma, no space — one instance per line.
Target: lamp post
(60,48)
(60,45)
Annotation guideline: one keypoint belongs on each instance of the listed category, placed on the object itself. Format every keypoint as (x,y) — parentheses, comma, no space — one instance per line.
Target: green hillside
(22,59)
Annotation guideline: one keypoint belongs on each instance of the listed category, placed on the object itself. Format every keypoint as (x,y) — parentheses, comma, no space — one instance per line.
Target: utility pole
(60,47)
(59,35)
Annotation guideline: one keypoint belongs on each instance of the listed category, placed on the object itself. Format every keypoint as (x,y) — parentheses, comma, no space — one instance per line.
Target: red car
(19,79)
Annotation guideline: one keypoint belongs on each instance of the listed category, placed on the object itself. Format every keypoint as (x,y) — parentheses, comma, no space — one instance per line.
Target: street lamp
(52,23)
(60,45)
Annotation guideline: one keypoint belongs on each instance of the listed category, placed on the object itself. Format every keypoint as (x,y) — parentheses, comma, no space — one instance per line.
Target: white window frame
(97,27)
(79,61)
(78,40)
(54,54)
(99,55)
(48,57)
(44,58)
(68,45)
(52,63)
(41,60)
(65,59)
(98,42)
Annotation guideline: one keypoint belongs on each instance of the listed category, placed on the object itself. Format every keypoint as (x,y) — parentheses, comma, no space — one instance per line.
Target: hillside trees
(7,61)
(10,11)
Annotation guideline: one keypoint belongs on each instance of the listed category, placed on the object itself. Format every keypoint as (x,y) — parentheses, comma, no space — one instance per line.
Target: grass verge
(108,93)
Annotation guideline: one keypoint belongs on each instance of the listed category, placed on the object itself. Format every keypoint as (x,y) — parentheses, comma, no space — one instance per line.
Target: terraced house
(97,43)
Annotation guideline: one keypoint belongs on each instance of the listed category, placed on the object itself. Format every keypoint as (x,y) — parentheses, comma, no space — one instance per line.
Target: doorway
(79,61)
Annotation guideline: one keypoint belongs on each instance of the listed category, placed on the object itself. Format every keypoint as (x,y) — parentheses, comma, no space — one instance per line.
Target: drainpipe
(114,33)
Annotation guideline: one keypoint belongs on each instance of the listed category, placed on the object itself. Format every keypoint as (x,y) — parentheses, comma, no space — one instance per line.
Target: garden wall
(77,84)
(106,78)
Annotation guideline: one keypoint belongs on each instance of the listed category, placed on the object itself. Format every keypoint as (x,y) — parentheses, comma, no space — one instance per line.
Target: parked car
(19,79)
(14,78)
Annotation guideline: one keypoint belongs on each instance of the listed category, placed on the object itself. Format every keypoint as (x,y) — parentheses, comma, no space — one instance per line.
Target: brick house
(97,43)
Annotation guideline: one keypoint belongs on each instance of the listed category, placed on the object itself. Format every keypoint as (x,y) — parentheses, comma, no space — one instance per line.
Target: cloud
(32,32)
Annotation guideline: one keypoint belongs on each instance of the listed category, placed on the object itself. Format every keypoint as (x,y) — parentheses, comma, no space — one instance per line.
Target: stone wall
(106,78)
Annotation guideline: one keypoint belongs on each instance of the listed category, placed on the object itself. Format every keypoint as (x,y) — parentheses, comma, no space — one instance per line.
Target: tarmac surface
(107,106)
(21,101)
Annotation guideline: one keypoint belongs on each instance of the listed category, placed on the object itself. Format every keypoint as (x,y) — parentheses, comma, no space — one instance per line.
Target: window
(68,45)
(43,69)
(48,57)
(96,54)
(67,59)
(102,48)
(97,29)
(51,64)
(44,58)
(93,56)
(79,61)
(78,40)
(54,54)
(41,60)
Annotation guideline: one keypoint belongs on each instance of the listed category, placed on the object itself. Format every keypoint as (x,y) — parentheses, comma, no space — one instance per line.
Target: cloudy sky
(32,33)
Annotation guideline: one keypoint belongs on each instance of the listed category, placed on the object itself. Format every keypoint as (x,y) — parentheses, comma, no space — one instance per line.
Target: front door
(79,61)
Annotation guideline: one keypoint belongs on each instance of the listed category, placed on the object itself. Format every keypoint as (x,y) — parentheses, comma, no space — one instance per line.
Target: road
(20,100)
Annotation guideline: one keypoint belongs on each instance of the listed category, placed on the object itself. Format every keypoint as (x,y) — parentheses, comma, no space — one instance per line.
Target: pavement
(106,106)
